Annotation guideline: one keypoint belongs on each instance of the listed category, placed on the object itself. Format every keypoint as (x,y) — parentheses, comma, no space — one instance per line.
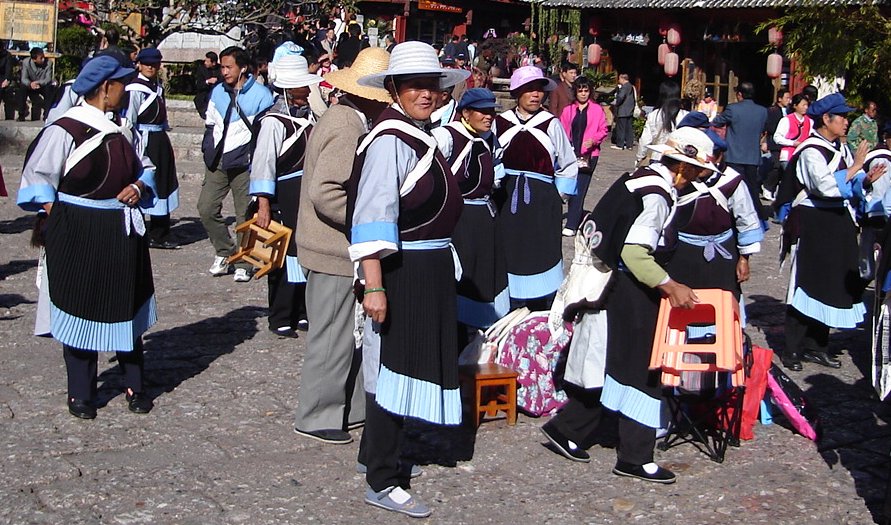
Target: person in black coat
(7,95)
(206,77)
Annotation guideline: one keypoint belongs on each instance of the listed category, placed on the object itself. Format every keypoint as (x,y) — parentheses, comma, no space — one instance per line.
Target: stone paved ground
(219,446)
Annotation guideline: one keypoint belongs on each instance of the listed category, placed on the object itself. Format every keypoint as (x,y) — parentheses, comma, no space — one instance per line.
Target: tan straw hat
(369,61)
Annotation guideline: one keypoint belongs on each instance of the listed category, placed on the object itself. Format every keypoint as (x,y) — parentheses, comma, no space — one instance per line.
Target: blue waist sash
(427,244)
(294,175)
(711,244)
(150,127)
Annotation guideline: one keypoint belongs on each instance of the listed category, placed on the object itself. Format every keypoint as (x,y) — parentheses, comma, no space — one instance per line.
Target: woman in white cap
(147,113)
(403,204)
(629,220)
(276,171)
(540,167)
(84,172)
(473,153)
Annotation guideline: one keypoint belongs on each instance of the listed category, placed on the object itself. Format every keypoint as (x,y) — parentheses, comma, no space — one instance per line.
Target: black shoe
(332,436)
(163,245)
(660,475)
(139,403)
(81,408)
(284,331)
(793,363)
(821,358)
(303,325)
(563,445)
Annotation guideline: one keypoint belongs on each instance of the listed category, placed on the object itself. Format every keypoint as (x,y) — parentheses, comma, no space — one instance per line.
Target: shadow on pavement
(16,267)
(11,300)
(188,230)
(17,225)
(768,314)
(178,354)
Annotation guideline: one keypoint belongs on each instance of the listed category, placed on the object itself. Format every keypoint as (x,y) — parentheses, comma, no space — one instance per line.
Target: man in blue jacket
(233,106)
(745,123)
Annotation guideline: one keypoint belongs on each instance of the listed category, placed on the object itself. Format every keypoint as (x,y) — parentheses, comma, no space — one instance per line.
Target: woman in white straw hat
(629,221)
(540,167)
(403,206)
(328,403)
(276,169)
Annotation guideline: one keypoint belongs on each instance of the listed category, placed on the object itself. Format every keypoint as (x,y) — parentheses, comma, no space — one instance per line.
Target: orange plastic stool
(486,377)
(716,307)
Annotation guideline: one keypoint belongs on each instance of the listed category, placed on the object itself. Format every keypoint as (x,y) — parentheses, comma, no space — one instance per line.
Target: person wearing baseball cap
(629,222)
(825,287)
(471,149)
(84,172)
(541,169)
(147,113)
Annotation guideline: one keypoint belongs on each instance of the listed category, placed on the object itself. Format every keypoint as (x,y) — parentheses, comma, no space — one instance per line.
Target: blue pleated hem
(698,332)
(412,397)
(537,285)
(828,315)
(295,271)
(483,315)
(98,336)
(164,206)
(631,402)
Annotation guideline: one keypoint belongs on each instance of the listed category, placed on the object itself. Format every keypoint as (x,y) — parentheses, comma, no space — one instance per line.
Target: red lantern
(594,52)
(663,50)
(774,65)
(671,64)
(775,37)
(674,35)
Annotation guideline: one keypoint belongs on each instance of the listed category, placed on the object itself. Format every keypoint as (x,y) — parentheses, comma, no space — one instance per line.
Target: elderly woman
(403,204)
(472,152)
(540,168)
(585,125)
(631,218)
(84,172)
(825,287)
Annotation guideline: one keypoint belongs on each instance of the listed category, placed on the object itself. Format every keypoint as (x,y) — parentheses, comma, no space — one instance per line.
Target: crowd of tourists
(448,215)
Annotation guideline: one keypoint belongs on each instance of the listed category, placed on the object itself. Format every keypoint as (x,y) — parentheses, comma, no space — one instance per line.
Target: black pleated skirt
(160,151)
(826,267)
(287,198)
(482,257)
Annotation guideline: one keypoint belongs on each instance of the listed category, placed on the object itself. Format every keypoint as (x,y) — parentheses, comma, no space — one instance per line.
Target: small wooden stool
(263,248)
(486,377)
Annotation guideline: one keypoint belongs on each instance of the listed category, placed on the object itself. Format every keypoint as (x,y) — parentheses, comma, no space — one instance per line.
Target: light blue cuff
(32,198)
(262,187)
(375,231)
(499,171)
(845,187)
(566,185)
(149,198)
(750,237)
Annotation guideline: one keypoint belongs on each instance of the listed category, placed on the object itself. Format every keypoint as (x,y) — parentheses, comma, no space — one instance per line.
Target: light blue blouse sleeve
(43,171)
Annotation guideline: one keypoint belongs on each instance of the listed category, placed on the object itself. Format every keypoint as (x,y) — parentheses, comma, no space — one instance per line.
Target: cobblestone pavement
(219,446)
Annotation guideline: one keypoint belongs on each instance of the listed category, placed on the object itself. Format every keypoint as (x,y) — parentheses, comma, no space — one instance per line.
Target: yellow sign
(430,5)
(28,21)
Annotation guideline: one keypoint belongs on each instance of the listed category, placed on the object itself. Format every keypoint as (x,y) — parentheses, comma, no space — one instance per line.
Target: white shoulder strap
(300,123)
(529,126)
(459,159)
(424,163)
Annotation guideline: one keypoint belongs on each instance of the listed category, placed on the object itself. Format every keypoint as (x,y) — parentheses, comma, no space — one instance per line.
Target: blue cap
(97,71)
(149,55)
(447,61)
(833,104)
(720,144)
(477,98)
(694,119)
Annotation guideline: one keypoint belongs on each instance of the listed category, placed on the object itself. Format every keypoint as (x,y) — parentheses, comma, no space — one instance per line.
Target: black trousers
(287,300)
(380,447)
(624,132)
(40,98)
(804,333)
(8,98)
(82,367)
(580,418)
(577,202)
(159,227)
(773,174)
(753,183)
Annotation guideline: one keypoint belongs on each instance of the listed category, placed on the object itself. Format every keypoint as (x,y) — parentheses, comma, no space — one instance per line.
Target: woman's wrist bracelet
(372,290)
(138,191)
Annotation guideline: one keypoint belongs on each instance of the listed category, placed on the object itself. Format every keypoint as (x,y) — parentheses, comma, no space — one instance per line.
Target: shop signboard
(28,21)
(430,5)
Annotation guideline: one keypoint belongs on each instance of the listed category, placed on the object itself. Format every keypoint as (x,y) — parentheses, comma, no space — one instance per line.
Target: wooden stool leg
(476,404)
(512,401)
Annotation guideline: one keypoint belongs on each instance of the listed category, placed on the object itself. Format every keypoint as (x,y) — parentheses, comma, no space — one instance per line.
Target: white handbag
(483,348)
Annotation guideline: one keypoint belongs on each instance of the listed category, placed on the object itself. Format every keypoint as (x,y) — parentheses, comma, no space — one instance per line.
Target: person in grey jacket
(625,102)
(37,85)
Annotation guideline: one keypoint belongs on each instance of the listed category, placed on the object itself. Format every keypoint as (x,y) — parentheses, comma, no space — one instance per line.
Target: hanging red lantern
(671,64)
(673,36)
(775,37)
(594,52)
(663,50)
(774,65)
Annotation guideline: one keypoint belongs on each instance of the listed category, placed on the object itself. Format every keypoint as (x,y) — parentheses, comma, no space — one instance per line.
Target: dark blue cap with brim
(149,55)
(833,104)
(694,119)
(477,98)
(98,70)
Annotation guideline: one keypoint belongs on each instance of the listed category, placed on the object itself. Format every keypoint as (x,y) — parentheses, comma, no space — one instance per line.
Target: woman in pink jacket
(585,124)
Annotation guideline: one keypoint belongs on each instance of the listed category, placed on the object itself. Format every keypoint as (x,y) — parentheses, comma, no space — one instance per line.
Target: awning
(703,4)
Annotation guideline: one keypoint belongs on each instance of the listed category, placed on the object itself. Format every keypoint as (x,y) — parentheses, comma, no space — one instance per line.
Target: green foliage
(637,124)
(75,40)
(67,66)
(599,79)
(830,41)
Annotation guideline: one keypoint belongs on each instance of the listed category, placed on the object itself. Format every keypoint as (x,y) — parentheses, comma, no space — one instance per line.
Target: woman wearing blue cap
(825,287)
(472,151)
(147,113)
(84,172)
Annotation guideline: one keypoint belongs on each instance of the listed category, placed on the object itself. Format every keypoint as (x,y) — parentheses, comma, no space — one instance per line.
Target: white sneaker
(241,275)
(220,266)
(767,194)
(568,233)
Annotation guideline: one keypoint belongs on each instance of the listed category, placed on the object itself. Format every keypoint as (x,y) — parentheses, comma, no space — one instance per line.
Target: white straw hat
(688,145)
(415,58)
(292,71)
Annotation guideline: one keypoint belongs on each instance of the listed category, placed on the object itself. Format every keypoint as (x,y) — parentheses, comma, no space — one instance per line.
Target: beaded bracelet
(372,290)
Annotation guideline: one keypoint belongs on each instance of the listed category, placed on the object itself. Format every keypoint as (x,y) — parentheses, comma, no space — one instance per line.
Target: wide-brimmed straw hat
(369,61)
(292,71)
(419,59)
(688,145)
(526,74)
